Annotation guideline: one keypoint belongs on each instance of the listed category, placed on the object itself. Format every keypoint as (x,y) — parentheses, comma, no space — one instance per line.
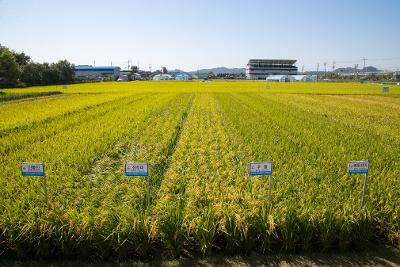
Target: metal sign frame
(137,173)
(26,169)
(363,169)
(142,174)
(38,170)
(265,171)
(268,171)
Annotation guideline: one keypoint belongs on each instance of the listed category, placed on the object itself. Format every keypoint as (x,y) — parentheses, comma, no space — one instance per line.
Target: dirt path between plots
(356,259)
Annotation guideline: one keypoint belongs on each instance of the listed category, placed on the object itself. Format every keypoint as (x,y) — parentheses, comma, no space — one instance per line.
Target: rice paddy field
(198,138)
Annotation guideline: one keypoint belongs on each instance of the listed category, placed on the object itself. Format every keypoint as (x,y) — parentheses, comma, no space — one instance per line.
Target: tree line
(18,70)
(376,77)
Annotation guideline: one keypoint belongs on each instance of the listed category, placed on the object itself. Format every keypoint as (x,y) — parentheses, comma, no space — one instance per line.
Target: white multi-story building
(260,69)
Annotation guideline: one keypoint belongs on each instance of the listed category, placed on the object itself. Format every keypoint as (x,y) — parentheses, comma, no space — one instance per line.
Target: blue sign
(358,167)
(136,169)
(32,169)
(260,168)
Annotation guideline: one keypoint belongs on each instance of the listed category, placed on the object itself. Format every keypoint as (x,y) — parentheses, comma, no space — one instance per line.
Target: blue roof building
(91,72)
(183,76)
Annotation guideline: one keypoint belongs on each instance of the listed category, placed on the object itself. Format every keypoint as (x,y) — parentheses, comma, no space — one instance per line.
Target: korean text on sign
(358,167)
(32,169)
(136,169)
(260,168)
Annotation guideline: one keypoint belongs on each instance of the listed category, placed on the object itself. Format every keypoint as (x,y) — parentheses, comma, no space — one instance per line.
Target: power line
(359,60)
(384,59)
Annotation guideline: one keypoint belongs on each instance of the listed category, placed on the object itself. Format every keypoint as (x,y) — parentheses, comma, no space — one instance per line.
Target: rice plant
(198,139)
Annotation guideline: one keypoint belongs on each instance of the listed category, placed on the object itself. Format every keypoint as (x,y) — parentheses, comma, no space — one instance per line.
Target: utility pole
(364,59)
(149,71)
(129,62)
(94,63)
(317,70)
(333,70)
(111,62)
(325,68)
(355,70)
(302,69)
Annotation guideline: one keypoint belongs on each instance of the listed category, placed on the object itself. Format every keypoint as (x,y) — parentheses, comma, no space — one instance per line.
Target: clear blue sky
(190,34)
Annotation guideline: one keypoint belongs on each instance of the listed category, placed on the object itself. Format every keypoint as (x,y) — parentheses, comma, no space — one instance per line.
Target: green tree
(134,69)
(32,74)
(9,68)
(22,59)
(50,74)
(17,69)
(65,71)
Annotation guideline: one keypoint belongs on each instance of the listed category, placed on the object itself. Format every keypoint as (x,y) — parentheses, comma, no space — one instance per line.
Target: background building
(305,78)
(180,75)
(90,72)
(183,76)
(162,77)
(280,78)
(127,75)
(291,78)
(260,69)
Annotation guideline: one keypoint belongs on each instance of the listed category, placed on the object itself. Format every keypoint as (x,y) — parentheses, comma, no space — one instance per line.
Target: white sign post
(139,169)
(35,169)
(262,168)
(359,167)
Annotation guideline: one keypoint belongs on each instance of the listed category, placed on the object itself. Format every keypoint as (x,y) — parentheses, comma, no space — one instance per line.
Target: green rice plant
(198,139)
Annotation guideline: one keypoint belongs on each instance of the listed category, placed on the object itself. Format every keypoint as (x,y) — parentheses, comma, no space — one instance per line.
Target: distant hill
(177,70)
(351,70)
(220,70)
